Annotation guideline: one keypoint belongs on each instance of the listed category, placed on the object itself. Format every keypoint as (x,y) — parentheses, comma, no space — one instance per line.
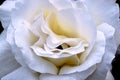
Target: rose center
(63,46)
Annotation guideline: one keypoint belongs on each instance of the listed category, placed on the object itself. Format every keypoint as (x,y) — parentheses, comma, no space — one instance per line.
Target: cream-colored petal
(41,52)
(35,28)
(21,73)
(75,45)
(68,50)
(37,63)
(59,4)
(51,50)
(7,60)
(5,12)
(53,41)
(71,23)
(110,50)
(76,23)
(59,62)
(95,57)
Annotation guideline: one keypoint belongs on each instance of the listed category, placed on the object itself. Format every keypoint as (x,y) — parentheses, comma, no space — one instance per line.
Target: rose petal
(21,73)
(94,57)
(117,34)
(7,61)
(61,4)
(26,37)
(78,3)
(5,12)
(54,41)
(104,11)
(76,45)
(15,50)
(105,65)
(74,76)
(37,63)
(72,60)
(55,77)
(71,22)
(109,76)
(35,28)
(3,35)
(28,10)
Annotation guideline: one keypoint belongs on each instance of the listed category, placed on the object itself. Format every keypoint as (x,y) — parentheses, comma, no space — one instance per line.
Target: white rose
(60,40)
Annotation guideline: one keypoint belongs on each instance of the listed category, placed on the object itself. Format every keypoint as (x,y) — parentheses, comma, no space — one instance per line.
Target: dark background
(116,62)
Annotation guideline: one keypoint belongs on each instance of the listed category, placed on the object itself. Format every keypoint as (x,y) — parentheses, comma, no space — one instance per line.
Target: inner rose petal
(71,61)
(50,49)
(61,35)
(60,28)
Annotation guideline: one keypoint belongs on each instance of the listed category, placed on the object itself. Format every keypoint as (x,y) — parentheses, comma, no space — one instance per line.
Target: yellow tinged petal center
(61,28)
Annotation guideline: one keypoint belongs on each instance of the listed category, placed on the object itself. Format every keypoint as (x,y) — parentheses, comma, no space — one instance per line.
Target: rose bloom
(58,39)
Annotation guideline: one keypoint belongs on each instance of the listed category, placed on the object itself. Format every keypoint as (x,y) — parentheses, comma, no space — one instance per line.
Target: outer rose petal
(55,77)
(14,48)
(21,73)
(73,76)
(104,11)
(109,76)
(105,65)
(29,9)
(117,34)
(7,61)
(59,4)
(5,12)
